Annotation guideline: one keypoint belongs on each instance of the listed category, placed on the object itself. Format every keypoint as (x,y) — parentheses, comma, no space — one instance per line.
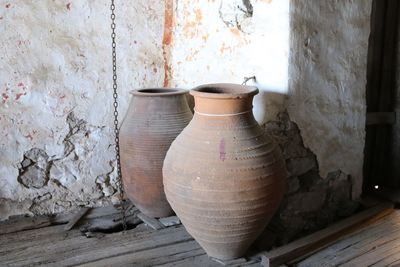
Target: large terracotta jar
(223,176)
(154,118)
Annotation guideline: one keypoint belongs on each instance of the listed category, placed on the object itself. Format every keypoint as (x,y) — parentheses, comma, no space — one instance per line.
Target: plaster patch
(56,96)
(311,202)
(237,14)
(103,181)
(328,80)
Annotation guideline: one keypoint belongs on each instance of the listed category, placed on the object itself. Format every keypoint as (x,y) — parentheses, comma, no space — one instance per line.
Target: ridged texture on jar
(224,178)
(151,124)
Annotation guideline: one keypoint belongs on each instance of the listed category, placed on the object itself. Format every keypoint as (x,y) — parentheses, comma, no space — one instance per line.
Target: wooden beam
(377,118)
(76,218)
(153,223)
(22,223)
(170,221)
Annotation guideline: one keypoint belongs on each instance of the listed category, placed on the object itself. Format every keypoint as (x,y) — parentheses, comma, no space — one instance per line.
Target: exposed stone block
(299,166)
(34,169)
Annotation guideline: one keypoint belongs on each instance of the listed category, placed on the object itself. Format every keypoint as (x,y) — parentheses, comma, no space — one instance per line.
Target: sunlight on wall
(225,41)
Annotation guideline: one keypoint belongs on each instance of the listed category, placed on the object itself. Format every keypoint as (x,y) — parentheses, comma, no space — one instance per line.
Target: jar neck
(159,104)
(223,107)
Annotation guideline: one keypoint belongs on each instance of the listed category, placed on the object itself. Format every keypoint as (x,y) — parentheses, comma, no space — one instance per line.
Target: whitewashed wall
(55,88)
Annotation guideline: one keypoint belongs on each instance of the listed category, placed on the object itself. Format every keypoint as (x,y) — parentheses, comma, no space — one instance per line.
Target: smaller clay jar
(154,118)
(223,176)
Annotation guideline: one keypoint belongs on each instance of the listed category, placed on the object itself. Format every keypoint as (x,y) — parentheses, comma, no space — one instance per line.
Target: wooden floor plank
(151,257)
(127,246)
(389,260)
(375,254)
(74,220)
(80,249)
(33,238)
(327,236)
(376,242)
(348,247)
(199,261)
(358,244)
(381,249)
(24,223)
(53,246)
(39,234)
(152,222)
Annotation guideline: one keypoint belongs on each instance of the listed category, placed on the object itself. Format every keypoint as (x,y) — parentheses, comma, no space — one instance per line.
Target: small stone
(34,168)
(64,204)
(299,166)
(62,171)
(336,175)
(42,198)
(307,202)
(33,177)
(237,13)
(36,155)
(341,189)
(108,190)
(309,179)
(101,179)
(294,151)
(115,200)
(26,162)
(293,185)
(346,208)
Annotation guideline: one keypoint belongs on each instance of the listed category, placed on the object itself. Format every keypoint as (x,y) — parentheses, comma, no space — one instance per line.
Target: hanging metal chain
(115,103)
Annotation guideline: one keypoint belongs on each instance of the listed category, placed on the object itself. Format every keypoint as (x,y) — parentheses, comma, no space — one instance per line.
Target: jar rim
(158,91)
(224,91)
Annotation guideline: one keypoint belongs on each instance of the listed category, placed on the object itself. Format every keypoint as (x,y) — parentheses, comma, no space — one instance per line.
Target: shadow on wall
(322,69)
(267,105)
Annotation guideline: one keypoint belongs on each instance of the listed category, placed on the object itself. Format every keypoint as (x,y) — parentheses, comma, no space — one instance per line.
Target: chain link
(115,104)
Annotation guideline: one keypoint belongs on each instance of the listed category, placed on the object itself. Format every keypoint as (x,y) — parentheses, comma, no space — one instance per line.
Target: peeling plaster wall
(327,82)
(56,144)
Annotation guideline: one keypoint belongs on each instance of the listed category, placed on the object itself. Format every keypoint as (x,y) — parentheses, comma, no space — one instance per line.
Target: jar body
(152,122)
(223,176)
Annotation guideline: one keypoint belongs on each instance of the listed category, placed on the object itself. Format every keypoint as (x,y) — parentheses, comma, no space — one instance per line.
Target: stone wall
(311,201)
(308,57)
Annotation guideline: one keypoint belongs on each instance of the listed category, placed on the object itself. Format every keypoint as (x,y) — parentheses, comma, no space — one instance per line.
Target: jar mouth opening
(224,90)
(158,92)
